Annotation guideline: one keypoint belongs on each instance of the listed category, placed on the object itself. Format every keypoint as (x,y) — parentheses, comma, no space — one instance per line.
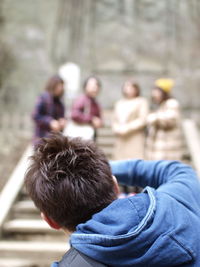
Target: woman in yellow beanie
(164,139)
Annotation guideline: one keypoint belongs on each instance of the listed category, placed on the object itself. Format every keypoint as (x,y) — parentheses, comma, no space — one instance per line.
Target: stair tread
(101,142)
(25,205)
(107,150)
(15,262)
(105,132)
(34,246)
(23,225)
(35,253)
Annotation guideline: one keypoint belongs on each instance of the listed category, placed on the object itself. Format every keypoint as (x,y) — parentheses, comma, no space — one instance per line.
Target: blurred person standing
(130,114)
(164,140)
(129,123)
(86,111)
(49,111)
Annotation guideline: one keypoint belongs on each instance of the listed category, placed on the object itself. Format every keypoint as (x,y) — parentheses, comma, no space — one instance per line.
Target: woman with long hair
(49,111)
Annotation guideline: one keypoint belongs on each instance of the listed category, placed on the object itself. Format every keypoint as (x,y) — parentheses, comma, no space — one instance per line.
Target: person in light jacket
(164,139)
(130,114)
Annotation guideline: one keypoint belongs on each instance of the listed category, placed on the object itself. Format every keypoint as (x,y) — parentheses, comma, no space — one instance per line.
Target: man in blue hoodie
(70,181)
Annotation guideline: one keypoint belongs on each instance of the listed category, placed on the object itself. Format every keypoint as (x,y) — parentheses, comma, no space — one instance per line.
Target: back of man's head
(69,180)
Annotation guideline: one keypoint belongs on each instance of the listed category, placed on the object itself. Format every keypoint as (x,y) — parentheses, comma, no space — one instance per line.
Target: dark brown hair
(134,85)
(92,77)
(53,82)
(69,180)
(165,95)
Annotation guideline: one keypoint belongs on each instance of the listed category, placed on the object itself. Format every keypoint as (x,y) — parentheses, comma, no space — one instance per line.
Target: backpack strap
(74,258)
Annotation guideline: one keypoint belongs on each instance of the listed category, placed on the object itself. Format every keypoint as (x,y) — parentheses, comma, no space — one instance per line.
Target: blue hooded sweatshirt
(158,227)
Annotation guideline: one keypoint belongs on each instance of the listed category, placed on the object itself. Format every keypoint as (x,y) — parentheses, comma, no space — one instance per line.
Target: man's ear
(116,186)
(50,222)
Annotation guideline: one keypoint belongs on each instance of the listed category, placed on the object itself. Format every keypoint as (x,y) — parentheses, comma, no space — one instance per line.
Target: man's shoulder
(74,258)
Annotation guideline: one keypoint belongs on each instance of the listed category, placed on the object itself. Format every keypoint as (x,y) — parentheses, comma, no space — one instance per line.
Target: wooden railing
(13,186)
(192,138)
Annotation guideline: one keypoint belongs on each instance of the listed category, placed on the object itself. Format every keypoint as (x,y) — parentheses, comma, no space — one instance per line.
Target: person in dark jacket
(85,109)
(77,192)
(49,111)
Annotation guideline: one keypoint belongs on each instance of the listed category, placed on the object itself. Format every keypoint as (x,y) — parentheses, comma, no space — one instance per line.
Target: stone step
(36,237)
(108,151)
(25,209)
(16,262)
(25,216)
(37,251)
(25,206)
(105,141)
(106,131)
(23,226)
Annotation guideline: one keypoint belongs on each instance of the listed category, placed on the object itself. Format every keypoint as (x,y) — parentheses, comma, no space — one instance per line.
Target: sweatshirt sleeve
(170,177)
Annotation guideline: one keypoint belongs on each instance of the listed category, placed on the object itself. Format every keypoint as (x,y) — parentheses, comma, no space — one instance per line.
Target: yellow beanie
(165,84)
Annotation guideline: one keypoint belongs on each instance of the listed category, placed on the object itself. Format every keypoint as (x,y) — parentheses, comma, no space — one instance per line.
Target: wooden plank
(13,186)
(29,226)
(30,246)
(38,252)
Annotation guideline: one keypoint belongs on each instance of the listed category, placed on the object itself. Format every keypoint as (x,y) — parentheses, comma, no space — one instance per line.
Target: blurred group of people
(147,133)
(140,132)
(49,112)
(76,188)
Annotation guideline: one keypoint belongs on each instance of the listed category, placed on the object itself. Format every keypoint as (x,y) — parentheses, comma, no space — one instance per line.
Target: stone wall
(115,39)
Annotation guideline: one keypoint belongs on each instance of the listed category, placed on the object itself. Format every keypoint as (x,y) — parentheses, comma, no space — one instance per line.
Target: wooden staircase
(26,240)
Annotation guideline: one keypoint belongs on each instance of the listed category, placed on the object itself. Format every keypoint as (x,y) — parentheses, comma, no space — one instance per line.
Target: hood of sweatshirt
(143,230)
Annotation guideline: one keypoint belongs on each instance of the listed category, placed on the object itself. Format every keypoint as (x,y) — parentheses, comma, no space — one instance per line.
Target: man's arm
(170,176)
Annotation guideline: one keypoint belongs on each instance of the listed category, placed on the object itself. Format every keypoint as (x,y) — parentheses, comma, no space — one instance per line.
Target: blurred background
(113,39)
